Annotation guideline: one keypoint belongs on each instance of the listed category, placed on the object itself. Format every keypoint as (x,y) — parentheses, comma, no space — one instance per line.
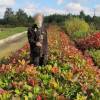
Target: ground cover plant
(69,75)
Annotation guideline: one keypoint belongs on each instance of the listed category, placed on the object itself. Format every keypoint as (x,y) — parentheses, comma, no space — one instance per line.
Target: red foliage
(31,82)
(88,59)
(55,70)
(39,97)
(2,91)
(75,70)
(67,47)
(70,51)
(92,41)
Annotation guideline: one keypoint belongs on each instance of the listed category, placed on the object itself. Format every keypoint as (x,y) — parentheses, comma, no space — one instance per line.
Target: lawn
(5,32)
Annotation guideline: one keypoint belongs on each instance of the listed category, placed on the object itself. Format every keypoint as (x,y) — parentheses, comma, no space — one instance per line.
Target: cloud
(7,3)
(48,11)
(97,10)
(77,1)
(82,1)
(75,8)
(2,10)
(4,4)
(60,1)
(30,9)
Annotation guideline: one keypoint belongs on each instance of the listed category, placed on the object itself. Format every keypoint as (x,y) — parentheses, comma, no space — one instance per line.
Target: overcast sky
(52,6)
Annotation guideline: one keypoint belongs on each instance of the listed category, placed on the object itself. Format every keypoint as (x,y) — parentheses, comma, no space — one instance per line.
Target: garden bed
(67,76)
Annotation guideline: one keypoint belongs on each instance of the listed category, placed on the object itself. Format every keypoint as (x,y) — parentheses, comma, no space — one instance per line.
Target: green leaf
(36,89)
(30,95)
(17,91)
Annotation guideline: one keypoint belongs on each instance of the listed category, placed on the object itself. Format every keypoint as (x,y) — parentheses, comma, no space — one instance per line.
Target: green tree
(22,17)
(82,15)
(96,21)
(30,21)
(8,16)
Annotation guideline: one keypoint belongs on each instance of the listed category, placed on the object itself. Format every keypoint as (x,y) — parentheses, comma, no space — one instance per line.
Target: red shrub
(92,41)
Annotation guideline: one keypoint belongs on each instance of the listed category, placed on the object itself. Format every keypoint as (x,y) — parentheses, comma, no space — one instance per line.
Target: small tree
(82,15)
(22,17)
(75,24)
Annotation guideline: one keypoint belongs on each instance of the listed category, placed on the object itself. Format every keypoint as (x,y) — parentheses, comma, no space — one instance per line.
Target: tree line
(20,18)
(93,21)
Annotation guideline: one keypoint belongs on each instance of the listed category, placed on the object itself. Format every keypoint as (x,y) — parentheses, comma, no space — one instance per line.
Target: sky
(48,7)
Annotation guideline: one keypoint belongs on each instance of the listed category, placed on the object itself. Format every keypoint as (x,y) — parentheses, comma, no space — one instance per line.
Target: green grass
(5,32)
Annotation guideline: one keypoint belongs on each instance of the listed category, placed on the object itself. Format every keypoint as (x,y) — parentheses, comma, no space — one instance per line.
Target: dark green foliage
(20,18)
(12,19)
